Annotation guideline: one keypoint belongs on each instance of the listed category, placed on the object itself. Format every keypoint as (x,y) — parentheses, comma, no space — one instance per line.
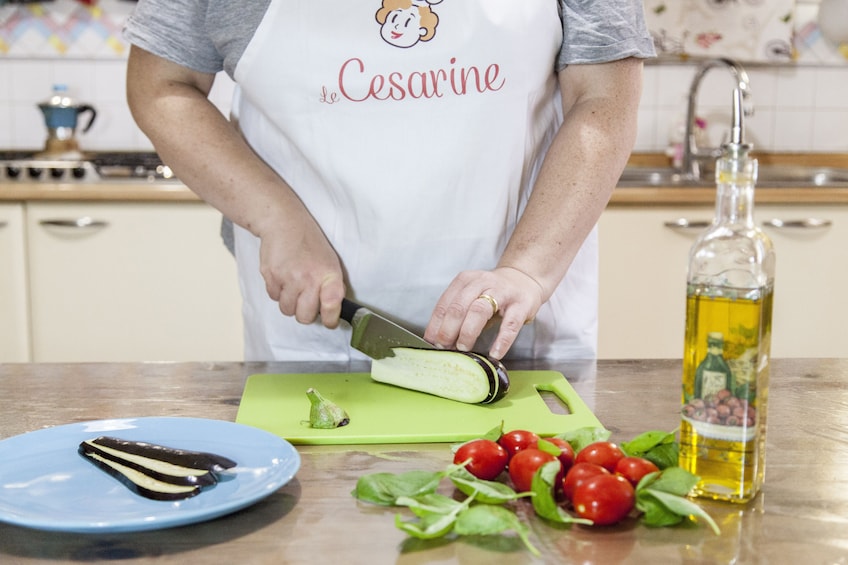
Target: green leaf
(437,515)
(684,507)
(487,519)
(644,442)
(489,492)
(656,446)
(664,456)
(440,525)
(494,434)
(673,480)
(428,504)
(548,447)
(544,502)
(385,488)
(582,437)
(655,513)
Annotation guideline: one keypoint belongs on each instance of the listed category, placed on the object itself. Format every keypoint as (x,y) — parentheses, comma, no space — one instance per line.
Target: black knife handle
(349,309)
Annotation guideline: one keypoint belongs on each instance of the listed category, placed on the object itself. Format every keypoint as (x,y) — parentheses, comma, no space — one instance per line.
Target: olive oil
(727,347)
(723,427)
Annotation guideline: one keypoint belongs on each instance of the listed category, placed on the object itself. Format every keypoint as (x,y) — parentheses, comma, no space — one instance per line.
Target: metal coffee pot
(61,114)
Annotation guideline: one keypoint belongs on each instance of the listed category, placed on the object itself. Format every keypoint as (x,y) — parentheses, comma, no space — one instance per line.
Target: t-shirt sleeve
(598,32)
(175,30)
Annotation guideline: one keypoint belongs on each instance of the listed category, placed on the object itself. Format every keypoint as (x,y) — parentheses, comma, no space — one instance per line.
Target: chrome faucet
(693,155)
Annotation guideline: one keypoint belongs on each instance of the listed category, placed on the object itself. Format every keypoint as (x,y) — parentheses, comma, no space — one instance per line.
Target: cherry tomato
(488,458)
(603,453)
(516,440)
(524,464)
(634,468)
(604,499)
(579,474)
(566,456)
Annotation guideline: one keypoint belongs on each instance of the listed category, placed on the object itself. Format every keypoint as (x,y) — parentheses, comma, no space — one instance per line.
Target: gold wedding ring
(491,300)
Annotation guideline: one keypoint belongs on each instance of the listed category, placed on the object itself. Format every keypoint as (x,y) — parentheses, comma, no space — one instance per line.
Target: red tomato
(603,453)
(524,464)
(516,440)
(604,499)
(488,458)
(566,456)
(634,468)
(579,474)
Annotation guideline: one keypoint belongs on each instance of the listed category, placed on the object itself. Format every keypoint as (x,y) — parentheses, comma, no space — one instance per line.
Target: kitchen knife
(374,335)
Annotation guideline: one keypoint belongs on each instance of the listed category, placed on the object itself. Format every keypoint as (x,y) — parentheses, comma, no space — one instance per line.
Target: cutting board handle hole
(554,403)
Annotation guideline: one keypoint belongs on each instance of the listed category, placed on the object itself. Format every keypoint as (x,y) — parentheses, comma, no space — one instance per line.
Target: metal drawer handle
(805,224)
(78,223)
(684,224)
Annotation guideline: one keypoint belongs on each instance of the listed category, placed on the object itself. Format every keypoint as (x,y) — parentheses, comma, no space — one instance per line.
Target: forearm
(205,150)
(577,176)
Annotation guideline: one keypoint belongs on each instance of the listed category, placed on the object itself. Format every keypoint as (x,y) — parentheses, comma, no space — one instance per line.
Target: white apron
(414,142)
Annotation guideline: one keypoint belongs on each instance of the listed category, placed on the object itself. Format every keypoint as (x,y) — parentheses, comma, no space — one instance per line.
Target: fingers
(476,300)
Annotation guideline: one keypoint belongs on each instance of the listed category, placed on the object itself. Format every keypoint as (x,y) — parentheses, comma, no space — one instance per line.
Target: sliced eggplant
(141,483)
(466,377)
(181,457)
(159,470)
(155,471)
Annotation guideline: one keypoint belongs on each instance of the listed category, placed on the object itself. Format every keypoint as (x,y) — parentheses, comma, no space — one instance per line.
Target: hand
(461,314)
(302,272)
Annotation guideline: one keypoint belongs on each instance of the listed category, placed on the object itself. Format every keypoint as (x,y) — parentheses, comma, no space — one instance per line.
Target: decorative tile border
(64,28)
(763,31)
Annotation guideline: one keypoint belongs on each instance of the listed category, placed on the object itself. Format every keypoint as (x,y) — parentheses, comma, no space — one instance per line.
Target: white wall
(801,109)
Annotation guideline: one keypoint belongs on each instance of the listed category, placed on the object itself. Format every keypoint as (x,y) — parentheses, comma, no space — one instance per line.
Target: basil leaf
(428,504)
(655,513)
(664,456)
(489,492)
(544,502)
(385,488)
(437,515)
(548,447)
(486,520)
(644,442)
(684,507)
(437,527)
(674,480)
(494,434)
(582,437)
(656,446)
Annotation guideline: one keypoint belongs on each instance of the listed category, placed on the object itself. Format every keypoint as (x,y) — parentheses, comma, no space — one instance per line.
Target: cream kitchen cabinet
(130,281)
(14,302)
(644,252)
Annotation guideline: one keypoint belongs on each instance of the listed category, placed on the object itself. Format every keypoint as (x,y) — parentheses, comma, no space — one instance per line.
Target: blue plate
(45,484)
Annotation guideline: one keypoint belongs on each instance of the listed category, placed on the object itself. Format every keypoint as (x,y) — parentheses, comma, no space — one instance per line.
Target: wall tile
(831,89)
(830,131)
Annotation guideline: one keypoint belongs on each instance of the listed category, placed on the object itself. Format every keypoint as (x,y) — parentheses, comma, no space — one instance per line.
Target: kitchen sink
(769,176)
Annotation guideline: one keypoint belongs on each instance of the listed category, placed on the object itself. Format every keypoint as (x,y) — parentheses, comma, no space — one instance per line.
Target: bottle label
(727,351)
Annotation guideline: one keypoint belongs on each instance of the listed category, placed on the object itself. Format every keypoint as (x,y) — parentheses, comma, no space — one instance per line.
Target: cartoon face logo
(406,22)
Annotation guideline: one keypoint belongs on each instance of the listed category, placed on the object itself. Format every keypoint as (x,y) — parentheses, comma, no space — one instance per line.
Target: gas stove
(114,166)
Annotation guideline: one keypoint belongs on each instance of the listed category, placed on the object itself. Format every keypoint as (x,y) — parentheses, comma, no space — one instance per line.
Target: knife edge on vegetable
(402,358)
(465,377)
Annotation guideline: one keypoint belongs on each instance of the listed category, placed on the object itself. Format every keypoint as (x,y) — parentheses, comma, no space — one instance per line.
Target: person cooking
(442,161)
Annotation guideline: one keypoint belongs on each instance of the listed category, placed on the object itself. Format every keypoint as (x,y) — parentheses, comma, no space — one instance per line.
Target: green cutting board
(381,413)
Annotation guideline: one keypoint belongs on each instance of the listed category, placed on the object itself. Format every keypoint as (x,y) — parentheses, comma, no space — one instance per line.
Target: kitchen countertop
(801,516)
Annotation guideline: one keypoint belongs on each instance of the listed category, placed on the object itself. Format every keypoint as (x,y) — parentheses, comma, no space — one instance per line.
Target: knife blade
(374,335)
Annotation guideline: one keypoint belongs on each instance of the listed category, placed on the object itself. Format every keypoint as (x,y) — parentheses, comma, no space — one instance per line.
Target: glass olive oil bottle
(728,335)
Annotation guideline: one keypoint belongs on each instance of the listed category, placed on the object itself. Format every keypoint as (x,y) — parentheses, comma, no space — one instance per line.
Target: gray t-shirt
(211,35)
